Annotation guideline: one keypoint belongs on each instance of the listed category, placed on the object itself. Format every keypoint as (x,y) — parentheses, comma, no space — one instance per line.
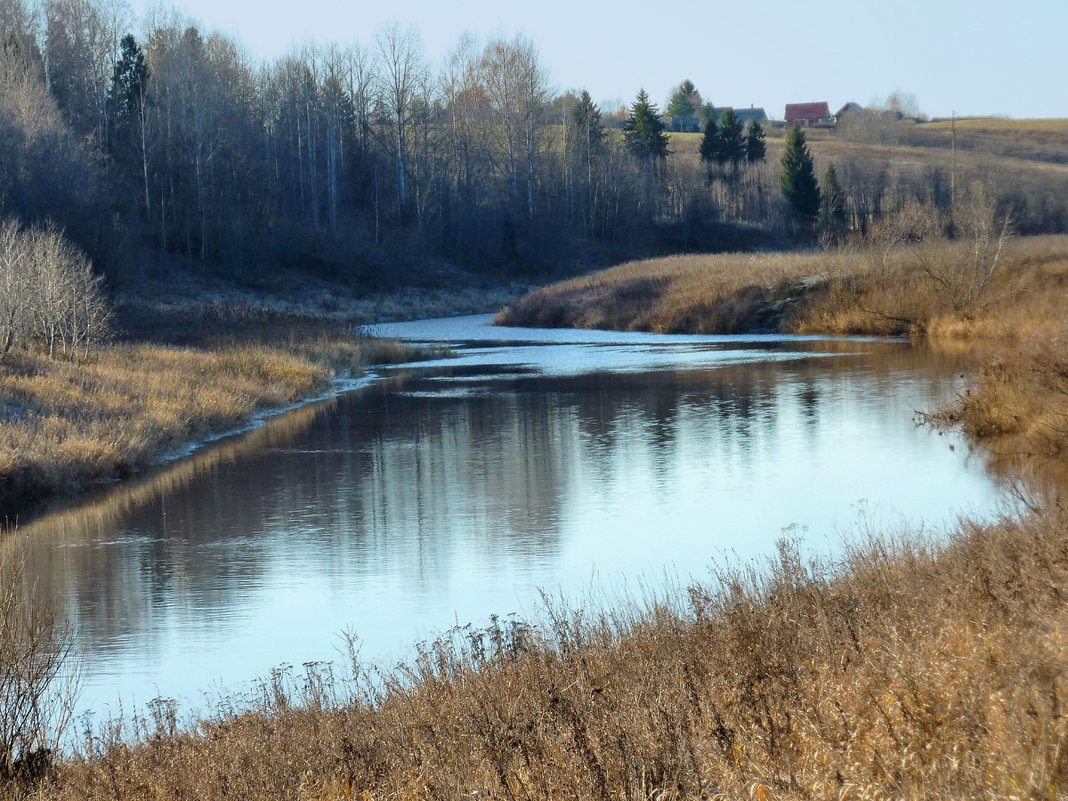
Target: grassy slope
(834,292)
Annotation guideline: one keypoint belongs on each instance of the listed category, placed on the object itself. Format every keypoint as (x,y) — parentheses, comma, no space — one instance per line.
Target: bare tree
(82,42)
(14,294)
(402,72)
(517,88)
(49,294)
(960,267)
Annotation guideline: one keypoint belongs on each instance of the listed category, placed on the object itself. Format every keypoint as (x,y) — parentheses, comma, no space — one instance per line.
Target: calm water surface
(573,462)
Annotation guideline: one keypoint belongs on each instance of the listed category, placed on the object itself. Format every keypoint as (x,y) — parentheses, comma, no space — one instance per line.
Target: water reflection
(455,490)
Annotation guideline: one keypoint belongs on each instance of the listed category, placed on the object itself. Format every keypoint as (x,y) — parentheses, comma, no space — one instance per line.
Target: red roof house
(805,114)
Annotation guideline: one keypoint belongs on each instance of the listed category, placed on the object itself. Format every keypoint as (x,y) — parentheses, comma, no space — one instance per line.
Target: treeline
(362,162)
(353,160)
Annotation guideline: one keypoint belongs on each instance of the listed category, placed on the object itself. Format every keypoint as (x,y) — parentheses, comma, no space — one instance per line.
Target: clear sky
(972,57)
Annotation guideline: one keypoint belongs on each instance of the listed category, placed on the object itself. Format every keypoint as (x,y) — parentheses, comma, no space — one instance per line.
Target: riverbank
(193,357)
(1004,300)
(867,290)
(908,670)
(65,425)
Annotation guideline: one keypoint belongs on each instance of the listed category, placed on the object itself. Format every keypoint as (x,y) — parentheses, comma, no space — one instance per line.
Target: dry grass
(66,424)
(909,670)
(858,291)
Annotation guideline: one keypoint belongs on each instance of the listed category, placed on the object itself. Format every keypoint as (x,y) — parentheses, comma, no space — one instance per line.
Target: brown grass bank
(908,670)
(66,424)
(1007,302)
(874,289)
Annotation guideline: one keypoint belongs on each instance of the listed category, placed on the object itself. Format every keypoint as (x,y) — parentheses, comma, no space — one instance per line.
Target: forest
(154,144)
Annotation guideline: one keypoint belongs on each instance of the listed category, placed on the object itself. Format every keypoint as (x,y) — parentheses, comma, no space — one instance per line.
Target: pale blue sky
(969,56)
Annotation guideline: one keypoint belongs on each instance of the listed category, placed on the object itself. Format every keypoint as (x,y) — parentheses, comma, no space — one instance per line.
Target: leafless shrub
(49,295)
(958,254)
(14,294)
(37,684)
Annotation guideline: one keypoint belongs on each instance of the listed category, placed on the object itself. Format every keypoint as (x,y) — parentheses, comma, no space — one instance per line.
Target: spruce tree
(755,149)
(833,221)
(711,145)
(643,129)
(584,130)
(128,84)
(798,179)
(731,139)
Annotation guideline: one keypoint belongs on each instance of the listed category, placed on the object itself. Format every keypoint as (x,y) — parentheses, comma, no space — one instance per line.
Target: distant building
(850,111)
(808,114)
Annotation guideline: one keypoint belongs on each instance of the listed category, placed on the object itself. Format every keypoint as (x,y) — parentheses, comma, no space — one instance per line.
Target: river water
(584,464)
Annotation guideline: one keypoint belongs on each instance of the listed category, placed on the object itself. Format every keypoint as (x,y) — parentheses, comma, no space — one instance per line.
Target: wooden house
(808,114)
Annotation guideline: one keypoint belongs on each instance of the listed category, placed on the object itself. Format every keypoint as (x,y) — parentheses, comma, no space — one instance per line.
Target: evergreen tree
(732,142)
(129,79)
(833,221)
(711,144)
(584,131)
(584,142)
(755,149)
(684,101)
(798,179)
(643,129)
(127,137)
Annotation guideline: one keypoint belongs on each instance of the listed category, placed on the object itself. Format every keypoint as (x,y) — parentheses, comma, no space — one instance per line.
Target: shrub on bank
(49,296)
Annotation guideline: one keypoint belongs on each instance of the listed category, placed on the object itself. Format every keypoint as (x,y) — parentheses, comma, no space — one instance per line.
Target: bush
(49,295)
(35,702)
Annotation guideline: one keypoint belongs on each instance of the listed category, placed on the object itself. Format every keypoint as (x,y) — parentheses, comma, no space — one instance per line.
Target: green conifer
(643,129)
(732,143)
(755,148)
(798,179)
(833,220)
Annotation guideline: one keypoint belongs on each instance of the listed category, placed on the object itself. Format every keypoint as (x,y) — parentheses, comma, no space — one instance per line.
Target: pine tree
(128,81)
(833,221)
(126,134)
(683,99)
(584,130)
(755,149)
(711,144)
(731,139)
(798,179)
(643,129)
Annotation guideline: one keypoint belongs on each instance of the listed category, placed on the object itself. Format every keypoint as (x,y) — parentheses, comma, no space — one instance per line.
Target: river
(581,464)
